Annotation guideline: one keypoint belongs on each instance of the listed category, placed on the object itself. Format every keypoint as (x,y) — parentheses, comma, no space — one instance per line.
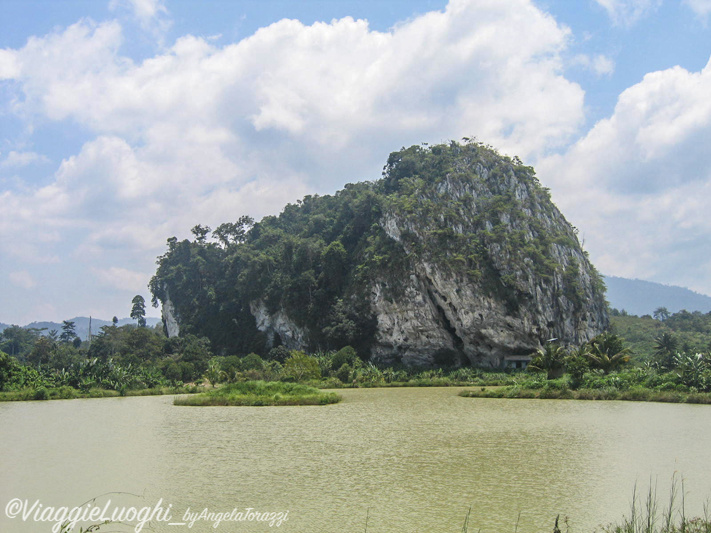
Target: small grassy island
(259,393)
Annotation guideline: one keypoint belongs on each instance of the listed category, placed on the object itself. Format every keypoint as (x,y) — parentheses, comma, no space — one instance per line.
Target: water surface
(407,460)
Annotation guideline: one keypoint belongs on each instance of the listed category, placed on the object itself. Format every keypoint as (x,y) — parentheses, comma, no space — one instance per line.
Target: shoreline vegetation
(259,393)
(666,358)
(637,394)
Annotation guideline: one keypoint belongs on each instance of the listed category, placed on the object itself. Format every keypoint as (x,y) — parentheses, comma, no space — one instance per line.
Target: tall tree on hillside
(138,312)
(661,313)
(69,332)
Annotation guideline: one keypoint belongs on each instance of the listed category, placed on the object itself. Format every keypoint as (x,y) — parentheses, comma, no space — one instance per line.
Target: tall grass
(259,393)
(648,516)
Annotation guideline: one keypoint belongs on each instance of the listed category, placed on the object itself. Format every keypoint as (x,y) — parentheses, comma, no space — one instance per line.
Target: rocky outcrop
(457,256)
(279,323)
(170,319)
(512,303)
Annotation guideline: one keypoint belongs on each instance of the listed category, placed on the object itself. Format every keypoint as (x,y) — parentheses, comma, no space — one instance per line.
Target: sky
(126,122)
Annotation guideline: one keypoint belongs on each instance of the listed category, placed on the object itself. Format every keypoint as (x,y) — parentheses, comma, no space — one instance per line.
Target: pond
(400,460)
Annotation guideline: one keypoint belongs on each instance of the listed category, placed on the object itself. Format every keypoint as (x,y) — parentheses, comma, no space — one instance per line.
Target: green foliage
(345,356)
(17,341)
(260,393)
(68,331)
(301,367)
(608,352)
(344,373)
(138,311)
(549,359)
(657,340)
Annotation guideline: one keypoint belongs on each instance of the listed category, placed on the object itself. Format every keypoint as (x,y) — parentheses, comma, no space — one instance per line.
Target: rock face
(457,256)
(279,323)
(170,320)
(531,282)
(510,275)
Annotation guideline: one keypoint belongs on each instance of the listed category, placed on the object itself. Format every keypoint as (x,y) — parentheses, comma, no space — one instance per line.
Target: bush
(64,392)
(252,362)
(279,353)
(345,356)
(41,394)
(301,367)
(344,373)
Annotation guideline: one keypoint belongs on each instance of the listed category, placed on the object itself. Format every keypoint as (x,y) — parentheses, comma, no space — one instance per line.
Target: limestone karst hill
(456,256)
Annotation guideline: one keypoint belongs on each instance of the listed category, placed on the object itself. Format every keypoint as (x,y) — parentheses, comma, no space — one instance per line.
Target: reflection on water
(410,460)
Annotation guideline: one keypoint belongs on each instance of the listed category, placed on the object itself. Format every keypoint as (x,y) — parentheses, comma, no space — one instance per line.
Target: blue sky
(125,122)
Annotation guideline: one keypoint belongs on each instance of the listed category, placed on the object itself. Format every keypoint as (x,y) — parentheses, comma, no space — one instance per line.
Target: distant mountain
(82,325)
(639,297)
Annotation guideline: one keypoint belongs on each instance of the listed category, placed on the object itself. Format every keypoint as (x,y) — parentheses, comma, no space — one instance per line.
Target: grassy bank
(258,393)
(633,394)
(67,393)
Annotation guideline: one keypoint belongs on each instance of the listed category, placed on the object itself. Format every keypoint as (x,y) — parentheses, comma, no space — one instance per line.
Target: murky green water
(407,460)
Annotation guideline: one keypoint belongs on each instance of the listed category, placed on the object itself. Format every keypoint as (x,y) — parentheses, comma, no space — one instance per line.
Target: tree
(68,332)
(665,348)
(214,373)
(661,313)
(231,233)
(42,351)
(114,321)
(300,366)
(549,359)
(201,232)
(608,352)
(18,341)
(138,312)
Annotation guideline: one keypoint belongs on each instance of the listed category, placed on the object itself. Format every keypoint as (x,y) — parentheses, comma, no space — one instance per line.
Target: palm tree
(550,359)
(608,352)
(577,363)
(665,347)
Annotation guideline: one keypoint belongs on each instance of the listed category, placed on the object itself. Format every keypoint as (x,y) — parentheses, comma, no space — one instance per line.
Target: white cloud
(701,7)
(640,181)
(203,134)
(22,279)
(22,159)
(152,15)
(627,12)
(122,278)
(599,64)
(321,104)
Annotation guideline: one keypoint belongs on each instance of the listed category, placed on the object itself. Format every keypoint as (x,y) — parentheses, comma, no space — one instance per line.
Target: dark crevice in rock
(457,341)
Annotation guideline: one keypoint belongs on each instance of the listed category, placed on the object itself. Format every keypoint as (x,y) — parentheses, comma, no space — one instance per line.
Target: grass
(648,516)
(67,393)
(637,394)
(259,393)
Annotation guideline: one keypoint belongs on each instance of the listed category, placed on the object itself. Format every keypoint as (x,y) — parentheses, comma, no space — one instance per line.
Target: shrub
(279,353)
(252,361)
(301,367)
(344,373)
(41,394)
(65,392)
(346,355)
